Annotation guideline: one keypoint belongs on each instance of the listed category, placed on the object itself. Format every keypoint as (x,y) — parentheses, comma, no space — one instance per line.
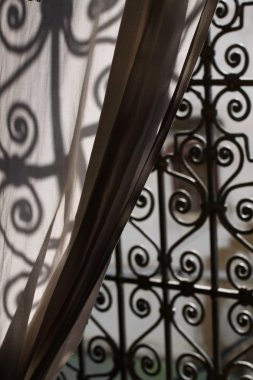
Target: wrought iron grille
(177,302)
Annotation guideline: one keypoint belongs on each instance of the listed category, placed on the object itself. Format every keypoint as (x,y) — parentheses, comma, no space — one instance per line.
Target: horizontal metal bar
(146,283)
(220,82)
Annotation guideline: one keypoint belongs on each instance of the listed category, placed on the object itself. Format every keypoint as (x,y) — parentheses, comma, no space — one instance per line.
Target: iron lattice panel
(177,299)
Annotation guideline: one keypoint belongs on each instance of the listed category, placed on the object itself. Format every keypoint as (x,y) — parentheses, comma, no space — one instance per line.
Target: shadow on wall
(45,49)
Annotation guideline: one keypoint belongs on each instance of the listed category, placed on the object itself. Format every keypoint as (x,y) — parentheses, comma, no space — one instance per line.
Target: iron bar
(122,363)
(212,199)
(164,272)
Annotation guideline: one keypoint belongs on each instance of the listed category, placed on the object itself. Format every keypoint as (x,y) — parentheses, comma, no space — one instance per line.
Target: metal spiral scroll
(238,108)
(148,357)
(190,267)
(138,259)
(180,204)
(240,314)
(226,14)
(237,59)
(241,320)
(139,305)
(244,368)
(239,268)
(104,299)
(102,348)
(190,366)
(150,361)
(244,209)
(139,255)
(98,349)
(144,206)
(224,153)
(185,110)
(193,311)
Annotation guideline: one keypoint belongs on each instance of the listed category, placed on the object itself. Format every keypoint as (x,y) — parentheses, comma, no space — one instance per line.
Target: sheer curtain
(59,224)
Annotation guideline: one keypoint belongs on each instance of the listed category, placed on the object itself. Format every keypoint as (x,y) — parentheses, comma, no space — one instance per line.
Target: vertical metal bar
(121,312)
(212,198)
(81,372)
(164,271)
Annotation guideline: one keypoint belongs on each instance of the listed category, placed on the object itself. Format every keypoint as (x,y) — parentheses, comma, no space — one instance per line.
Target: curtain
(59,223)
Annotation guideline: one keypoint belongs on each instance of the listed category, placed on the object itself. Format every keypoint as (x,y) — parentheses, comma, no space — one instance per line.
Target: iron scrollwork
(199,295)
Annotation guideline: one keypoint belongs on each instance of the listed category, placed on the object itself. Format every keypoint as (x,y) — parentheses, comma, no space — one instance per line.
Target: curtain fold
(157,47)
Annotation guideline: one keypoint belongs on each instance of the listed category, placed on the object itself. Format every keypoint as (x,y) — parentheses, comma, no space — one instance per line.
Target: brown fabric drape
(143,95)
